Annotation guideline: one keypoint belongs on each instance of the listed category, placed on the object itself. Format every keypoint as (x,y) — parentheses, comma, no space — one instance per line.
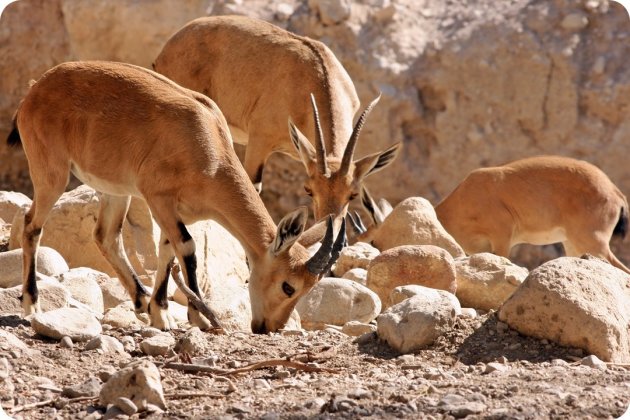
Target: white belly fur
(552,236)
(103,185)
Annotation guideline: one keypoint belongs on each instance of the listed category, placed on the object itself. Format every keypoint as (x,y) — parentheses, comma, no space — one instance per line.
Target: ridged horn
(349,152)
(340,242)
(318,262)
(320,147)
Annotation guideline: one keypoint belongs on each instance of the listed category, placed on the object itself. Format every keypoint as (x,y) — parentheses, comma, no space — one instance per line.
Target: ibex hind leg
(109,239)
(184,248)
(47,189)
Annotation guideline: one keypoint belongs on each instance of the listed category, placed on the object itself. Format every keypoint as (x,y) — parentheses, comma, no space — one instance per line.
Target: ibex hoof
(160,318)
(195,318)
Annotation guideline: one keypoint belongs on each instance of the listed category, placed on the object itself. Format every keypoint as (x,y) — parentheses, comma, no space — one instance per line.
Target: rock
(424,265)
(106,344)
(485,281)
(468,313)
(157,345)
(122,316)
(52,295)
(129,344)
(11,202)
(113,292)
(83,286)
(577,303)
(414,222)
(77,324)
(574,22)
(106,372)
(460,407)
(401,293)
(9,341)
(192,342)
(126,406)
(353,256)
(230,303)
(415,322)
(66,342)
(89,388)
(178,312)
(337,301)
(139,381)
(331,12)
(495,367)
(594,362)
(49,263)
(5,369)
(356,274)
(356,328)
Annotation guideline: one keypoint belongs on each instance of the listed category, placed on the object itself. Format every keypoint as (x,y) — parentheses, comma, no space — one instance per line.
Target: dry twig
(44,403)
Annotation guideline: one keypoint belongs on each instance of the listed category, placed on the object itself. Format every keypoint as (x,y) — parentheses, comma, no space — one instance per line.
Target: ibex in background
(539,200)
(260,76)
(127,131)
(377,212)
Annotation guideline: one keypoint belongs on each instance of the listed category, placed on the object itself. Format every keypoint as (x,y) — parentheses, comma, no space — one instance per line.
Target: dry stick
(178,395)
(186,367)
(48,402)
(279,362)
(194,299)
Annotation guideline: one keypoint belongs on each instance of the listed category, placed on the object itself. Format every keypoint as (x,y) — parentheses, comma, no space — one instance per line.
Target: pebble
(594,362)
(495,367)
(89,388)
(129,344)
(126,405)
(261,384)
(106,372)
(66,342)
(157,345)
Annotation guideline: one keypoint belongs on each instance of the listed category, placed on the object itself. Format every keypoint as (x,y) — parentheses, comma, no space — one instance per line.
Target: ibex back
(260,76)
(128,131)
(538,200)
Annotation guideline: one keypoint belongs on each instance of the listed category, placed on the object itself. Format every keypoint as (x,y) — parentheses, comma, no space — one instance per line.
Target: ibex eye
(288,289)
(308,191)
(353,196)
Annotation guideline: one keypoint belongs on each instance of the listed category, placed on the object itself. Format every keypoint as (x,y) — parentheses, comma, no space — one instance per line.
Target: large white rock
(416,322)
(139,381)
(425,265)
(70,225)
(575,302)
(358,255)
(414,222)
(52,295)
(485,281)
(11,202)
(83,286)
(77,324)
(401,293)
(49,263)
(337,301)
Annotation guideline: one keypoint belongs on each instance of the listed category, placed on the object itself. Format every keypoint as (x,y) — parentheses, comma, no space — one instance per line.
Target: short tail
(14,136)
(621,229)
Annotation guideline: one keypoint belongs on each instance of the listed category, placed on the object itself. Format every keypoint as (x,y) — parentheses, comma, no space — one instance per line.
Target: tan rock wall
(464,85)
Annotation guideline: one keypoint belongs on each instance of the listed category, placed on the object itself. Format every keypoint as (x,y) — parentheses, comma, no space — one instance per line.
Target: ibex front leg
(108,236)
(184,248)
(158,307)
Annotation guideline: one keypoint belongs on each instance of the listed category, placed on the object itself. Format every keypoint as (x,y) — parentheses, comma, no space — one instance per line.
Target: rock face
(49,263)
(552,81)
(413,222)
(337,301)
(424,265)
(575,302)
(416,322)
(485,281)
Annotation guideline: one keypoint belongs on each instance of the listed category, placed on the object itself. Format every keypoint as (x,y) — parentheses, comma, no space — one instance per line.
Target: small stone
(129,344)
(106,343)
(594,362)
(157,345)
(148,332)
(106,372)
(89,388)
(356,328)
(469,313)
(192,342)
(126,405)
(261,384)
(113,412)
(66,342)
(139,381)
(495,367)
(5,367)
(359,393)
(78,324)
(574,22)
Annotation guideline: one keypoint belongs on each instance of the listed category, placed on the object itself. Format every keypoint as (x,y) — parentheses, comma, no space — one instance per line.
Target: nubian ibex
(539,200)
(261,76)
(127,131)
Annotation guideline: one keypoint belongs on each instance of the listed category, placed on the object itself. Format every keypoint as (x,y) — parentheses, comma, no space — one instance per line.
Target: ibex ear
(289,230)
(305,149)
(375,162)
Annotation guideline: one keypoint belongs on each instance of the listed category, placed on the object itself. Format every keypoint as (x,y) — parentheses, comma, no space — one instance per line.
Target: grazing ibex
(260,76)
(127,131)
(539,200)
(377,212)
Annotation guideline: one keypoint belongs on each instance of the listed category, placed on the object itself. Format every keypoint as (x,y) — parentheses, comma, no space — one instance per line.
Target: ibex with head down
(539,200)
(127,131)
(260,76)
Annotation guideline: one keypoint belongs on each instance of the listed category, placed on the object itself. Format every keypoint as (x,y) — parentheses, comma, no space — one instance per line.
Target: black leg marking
(160,295)
(258,176)
(190,261)
(184,232)
(31,282)
(140,291)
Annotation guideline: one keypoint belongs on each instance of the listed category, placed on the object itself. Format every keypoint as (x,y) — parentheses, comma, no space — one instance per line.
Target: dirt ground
(481,369)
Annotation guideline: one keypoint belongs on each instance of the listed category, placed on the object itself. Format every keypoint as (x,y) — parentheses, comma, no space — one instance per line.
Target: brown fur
(538,200)
(128,131)
(261,75)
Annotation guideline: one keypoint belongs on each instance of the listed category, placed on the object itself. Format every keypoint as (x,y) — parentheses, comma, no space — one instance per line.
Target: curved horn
(318,262)
(349,152)
(340,242)
(320,148)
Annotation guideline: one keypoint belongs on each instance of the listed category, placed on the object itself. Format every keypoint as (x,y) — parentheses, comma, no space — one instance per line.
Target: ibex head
(378,213)
(333,181)
(287,271)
